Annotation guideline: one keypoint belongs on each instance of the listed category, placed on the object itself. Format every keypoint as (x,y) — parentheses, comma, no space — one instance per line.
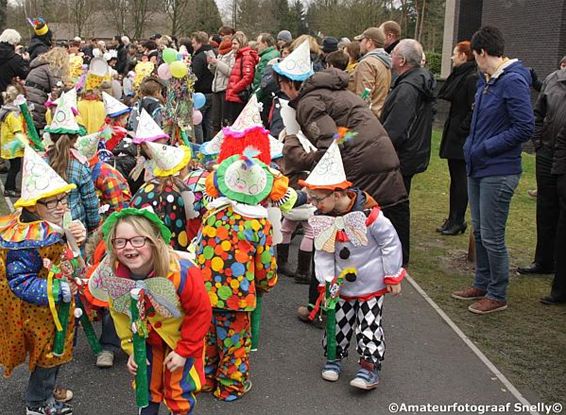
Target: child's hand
(132,365)
(394,289)
(174,361)
(78,231)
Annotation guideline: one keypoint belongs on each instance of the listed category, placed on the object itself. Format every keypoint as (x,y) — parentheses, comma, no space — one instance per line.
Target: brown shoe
(487,305)
(62,394)
(471,293)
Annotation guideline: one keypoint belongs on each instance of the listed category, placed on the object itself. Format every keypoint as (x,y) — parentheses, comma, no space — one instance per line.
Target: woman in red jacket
(241,77)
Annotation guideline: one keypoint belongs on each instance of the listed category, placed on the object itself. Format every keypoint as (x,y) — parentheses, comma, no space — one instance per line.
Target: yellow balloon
(178,69)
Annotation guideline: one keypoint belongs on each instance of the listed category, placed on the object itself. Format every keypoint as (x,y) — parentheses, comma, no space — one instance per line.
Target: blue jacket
(502,120)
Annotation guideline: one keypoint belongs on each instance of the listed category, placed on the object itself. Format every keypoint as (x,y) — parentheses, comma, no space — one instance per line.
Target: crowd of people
(170,233)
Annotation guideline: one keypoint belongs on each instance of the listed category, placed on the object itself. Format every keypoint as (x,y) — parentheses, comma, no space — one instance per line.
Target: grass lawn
(527,342)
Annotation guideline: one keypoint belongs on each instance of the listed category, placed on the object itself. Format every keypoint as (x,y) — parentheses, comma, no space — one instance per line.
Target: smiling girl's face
(136,255)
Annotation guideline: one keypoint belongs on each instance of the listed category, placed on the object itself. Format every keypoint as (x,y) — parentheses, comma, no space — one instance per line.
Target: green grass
(526,342)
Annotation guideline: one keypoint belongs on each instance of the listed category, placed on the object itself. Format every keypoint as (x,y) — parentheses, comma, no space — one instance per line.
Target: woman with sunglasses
(138,247)
(37,249)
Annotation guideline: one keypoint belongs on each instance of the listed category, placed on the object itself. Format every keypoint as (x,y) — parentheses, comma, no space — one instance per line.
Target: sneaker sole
(473,310)
(330,376)
(459,297)
(361,384)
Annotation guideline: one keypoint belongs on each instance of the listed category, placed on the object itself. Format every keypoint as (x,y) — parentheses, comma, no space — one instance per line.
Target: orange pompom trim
(211,190)
(279,189)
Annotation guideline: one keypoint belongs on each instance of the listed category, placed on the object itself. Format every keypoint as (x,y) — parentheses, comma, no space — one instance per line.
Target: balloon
(180,56)
(163,71)
(178,69)
(169,55)
(197,117)
(199,100)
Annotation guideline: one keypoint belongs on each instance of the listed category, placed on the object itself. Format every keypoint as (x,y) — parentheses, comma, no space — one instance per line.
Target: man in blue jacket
(502,120)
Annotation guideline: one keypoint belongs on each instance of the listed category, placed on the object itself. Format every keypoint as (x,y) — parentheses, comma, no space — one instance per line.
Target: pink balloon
(164,72)
(197,117)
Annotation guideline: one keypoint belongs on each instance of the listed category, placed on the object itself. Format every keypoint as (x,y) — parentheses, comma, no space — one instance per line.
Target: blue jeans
(490,198)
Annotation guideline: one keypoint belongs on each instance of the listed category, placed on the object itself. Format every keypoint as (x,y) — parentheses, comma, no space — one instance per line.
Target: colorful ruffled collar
(20,235)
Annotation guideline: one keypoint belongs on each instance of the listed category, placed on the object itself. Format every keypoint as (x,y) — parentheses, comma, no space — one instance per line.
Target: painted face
(52,209)
(131,250)
(323,200)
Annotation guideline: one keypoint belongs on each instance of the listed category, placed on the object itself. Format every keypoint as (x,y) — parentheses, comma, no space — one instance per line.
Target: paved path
(426,362)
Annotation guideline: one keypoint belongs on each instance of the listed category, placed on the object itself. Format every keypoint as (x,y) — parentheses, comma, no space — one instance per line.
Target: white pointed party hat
(289,117)
(39,180)
(329,172)
(88,145)
(169,160)
(113,107)
(249,117)
(64,121)
(276,147)
(148,130)
(297,66)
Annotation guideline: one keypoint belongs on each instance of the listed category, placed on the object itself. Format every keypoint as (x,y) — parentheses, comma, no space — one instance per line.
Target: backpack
(151,105)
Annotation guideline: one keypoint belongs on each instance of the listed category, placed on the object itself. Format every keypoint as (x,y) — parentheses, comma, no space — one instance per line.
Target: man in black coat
(407,112)
(41,40)
(12,65)
(122,55)
(199,66)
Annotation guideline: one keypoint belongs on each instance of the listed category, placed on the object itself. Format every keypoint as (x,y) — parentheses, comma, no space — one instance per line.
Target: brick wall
(468,19)
(535,31)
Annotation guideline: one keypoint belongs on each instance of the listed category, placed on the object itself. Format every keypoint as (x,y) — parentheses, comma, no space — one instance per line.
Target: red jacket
(242,73)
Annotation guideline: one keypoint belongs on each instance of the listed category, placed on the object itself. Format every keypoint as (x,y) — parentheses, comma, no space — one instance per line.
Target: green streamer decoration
(31,131)
(256,320)
(140,352)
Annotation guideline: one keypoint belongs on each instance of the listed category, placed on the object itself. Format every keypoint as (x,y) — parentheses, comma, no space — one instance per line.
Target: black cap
(329,44)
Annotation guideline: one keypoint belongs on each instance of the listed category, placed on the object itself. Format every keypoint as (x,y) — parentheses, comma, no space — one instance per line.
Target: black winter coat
(460,90)
(407,118)
(199,66)
(11,66)
(40,81)
(324,104)
(38,46)
(550,110)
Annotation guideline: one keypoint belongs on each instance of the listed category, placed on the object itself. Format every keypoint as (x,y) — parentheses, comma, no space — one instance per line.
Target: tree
(3,13)
(140,12)
(248,17)
(281,9)
(206,17)
(118,12)
(177,14)
(81,12)
(297,19)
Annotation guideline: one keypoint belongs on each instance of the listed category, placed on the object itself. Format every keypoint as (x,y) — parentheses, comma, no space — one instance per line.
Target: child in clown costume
(175,321)
(234,250)
(36,278)
(352,237)
(166,193)
(111,187)
(71,165)
(117,113)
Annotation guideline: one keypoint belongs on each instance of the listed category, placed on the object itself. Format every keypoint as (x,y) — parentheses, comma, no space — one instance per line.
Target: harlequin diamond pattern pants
(228,346)
(363,317)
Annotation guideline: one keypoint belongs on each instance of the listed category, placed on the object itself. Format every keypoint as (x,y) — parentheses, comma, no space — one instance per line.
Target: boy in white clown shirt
(351,233)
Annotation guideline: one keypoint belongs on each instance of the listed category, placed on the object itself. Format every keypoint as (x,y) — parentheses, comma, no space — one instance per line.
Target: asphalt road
(426,363)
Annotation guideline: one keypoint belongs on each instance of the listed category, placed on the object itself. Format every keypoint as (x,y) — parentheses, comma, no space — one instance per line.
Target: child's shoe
(50,408)
(367,377)
(331,370)
(62,394)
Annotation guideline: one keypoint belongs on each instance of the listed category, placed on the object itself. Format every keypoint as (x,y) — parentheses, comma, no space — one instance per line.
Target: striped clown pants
(176,389)
(363,317)
(227,362)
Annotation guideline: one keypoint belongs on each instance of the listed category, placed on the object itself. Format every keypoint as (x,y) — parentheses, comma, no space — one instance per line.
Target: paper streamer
(140,353)
(60,335)
(88,329)
(31,131)
(256,321)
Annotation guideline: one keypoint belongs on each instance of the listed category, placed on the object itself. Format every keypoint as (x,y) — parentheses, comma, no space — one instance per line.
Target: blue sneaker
(331,370)
(367,377)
